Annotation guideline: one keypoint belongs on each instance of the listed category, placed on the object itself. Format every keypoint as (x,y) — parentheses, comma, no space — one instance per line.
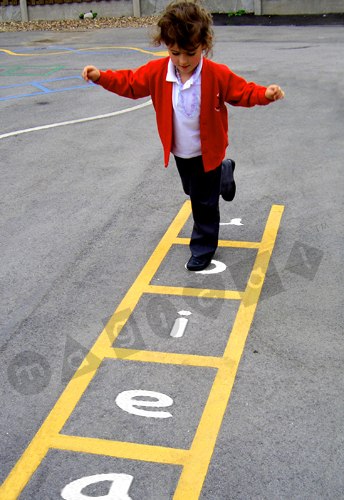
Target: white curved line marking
(236,222)
(80,120)
(219,268)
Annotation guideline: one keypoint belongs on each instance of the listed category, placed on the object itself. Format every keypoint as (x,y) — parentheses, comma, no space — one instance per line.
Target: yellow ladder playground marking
(194,461)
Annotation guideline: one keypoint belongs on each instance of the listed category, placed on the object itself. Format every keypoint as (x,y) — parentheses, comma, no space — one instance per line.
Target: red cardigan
(219,85)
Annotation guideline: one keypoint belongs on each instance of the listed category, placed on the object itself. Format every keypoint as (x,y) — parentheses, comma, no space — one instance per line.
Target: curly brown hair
(187,24)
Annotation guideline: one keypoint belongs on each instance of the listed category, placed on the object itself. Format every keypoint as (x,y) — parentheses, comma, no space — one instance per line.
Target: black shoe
(228,187)
(198,263)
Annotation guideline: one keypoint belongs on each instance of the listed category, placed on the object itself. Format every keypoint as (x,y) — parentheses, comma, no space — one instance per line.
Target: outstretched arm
(124,82)
(247,94)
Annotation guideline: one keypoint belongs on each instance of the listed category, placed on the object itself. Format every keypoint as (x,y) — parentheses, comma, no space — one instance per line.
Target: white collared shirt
(186,111)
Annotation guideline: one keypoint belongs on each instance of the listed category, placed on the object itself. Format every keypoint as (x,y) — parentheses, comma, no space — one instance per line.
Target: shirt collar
(171,73)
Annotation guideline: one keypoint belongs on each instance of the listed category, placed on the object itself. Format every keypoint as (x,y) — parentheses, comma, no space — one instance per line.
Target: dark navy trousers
(204,191)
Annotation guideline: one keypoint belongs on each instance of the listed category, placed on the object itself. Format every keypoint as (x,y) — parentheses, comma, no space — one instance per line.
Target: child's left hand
(274,93)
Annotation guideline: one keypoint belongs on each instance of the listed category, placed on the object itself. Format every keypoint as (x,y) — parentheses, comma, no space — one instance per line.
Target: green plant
(237,13)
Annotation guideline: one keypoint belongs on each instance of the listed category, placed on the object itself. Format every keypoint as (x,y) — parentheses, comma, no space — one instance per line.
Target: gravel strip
(79,24)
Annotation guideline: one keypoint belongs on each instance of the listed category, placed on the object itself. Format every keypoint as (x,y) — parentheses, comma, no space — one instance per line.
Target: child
(189,93)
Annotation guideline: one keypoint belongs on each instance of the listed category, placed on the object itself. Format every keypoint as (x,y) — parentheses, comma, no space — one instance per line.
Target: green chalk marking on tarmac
(29,70)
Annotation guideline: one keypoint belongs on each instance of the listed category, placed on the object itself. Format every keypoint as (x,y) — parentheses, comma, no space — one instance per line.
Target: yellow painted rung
(204,293)
(120,449)
(164,357)
(223,243)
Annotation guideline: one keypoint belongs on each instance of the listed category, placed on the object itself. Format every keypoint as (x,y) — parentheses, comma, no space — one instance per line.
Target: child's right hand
(91,73)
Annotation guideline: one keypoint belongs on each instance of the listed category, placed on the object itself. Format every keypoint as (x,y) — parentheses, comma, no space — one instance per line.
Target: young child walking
(189,92)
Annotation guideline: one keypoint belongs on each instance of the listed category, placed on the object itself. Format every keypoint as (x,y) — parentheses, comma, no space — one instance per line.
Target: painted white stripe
(80,120)
(235,222)
(178,328)
(179,325)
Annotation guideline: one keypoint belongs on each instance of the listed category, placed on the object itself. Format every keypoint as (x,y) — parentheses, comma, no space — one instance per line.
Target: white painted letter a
(119,489)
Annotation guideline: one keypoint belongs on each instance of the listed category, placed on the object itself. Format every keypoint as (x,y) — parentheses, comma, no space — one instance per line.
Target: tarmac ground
(123,375)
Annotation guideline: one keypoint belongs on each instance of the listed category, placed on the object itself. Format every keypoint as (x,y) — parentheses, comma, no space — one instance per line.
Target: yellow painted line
(129,302)
(239,244)
(66,52)
(18,54)
(164,357)
(39,446)
(120,449)
(204,293)
(224,243)
(51,427)
(195,470)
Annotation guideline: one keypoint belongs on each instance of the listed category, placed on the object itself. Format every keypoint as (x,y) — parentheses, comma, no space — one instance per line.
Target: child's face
(185,61)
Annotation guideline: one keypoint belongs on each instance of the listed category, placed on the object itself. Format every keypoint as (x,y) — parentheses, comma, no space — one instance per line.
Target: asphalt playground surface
(249,398)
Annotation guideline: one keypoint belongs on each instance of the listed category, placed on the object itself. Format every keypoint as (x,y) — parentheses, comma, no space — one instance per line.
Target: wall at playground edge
(120,8)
